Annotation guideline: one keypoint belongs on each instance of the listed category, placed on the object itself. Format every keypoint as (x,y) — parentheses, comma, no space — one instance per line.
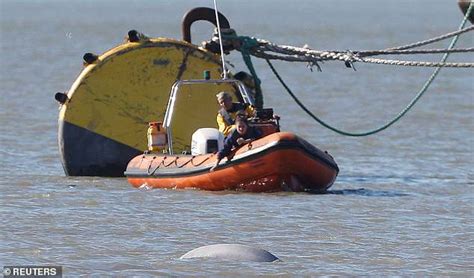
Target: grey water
(401,206)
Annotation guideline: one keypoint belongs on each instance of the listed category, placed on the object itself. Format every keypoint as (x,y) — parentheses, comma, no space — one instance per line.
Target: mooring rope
(298,54)
(436,39)
(416,63)
(414,51)
(267,50)
(401,113)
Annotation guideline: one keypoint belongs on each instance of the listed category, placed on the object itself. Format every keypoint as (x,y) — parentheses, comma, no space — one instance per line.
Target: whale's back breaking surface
(234,252)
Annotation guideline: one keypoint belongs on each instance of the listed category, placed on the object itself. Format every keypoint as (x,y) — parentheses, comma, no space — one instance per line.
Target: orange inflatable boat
(181,156)
(278,162)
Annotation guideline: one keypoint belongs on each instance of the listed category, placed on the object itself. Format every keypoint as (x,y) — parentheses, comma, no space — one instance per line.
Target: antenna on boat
(224,70)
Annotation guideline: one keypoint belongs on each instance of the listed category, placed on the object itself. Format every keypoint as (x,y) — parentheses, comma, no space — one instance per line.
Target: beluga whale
(233,252)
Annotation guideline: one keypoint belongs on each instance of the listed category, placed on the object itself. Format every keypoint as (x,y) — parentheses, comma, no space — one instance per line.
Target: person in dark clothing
(240,135)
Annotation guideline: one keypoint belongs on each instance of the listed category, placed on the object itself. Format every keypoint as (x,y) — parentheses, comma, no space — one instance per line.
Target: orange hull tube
(278,162)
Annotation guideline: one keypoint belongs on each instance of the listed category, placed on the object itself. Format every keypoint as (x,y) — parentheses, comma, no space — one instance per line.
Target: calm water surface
(402,204)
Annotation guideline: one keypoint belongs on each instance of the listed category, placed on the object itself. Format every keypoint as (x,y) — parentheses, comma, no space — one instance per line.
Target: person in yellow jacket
(227,114)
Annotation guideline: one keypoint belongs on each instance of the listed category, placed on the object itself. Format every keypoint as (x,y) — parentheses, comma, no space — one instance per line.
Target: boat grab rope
(200,163)
(150,173)
(175,161)
(185,163)
(257,47)
(162,162)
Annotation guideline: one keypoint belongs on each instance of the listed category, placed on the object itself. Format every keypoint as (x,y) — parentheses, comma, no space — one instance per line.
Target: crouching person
(241,134)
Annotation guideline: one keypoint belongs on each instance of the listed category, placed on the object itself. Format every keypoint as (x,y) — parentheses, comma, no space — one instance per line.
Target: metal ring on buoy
(201,13)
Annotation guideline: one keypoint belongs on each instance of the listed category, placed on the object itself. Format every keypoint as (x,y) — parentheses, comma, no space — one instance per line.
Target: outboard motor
(207,140)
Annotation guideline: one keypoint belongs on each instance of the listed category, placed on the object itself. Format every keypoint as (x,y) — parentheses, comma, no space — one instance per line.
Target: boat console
(265,121)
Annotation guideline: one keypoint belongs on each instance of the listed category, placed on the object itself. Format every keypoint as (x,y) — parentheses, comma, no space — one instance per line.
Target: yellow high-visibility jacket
(226,118)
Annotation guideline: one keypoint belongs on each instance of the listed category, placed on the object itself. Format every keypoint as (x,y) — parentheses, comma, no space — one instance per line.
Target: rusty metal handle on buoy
(464,5)
(201,13)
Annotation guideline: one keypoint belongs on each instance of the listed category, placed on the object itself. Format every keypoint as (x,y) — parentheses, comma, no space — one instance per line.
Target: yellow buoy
(109,105)
(104,113)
